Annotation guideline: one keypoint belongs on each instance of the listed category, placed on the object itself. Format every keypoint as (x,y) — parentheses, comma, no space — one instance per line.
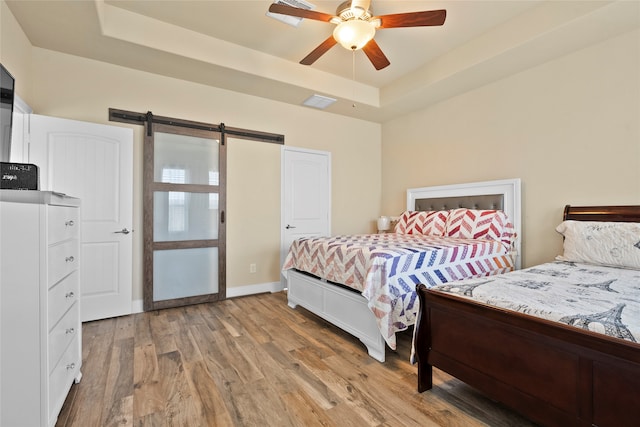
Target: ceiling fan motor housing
(345,12)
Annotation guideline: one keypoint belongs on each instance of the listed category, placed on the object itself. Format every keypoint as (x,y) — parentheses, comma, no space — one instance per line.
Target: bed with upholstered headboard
(557,342)
(365,284)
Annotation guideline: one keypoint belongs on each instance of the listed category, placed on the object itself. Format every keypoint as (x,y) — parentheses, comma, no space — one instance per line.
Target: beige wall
(253,207)
(569,128)
(66,86)
(14,49)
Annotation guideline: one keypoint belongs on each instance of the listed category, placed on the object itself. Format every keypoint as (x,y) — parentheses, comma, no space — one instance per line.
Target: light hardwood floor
(253,361)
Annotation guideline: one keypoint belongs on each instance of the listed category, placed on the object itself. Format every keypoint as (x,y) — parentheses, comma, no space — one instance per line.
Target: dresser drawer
(64,223)
(63,376)
(62,334)
(63,259)
(62,296)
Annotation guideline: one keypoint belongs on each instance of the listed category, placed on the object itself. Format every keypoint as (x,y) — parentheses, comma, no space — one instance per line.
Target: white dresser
(40,353)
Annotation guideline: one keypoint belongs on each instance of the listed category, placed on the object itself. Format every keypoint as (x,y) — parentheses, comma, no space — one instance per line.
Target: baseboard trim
(260,288)
(234,292)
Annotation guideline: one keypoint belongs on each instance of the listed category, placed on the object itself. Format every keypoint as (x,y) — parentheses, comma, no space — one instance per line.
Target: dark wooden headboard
(602,213)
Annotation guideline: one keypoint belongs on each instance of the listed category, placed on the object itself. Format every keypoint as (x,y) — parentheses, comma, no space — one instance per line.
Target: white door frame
(20,131)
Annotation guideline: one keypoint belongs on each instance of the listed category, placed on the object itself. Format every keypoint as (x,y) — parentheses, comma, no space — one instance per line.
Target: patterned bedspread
(596,298)
(386,268)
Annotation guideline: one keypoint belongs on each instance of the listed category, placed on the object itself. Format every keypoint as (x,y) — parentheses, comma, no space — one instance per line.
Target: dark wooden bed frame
(554,374)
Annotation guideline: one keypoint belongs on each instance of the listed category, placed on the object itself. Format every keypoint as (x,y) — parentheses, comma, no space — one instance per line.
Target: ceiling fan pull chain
(353,77)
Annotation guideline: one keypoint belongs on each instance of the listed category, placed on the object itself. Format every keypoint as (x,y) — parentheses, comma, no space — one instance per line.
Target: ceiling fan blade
(375,55)
(319,51)
(283,9)
(413,19)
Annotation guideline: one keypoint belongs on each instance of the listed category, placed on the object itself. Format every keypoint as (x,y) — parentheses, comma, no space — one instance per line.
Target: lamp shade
(354,34)
(384,223)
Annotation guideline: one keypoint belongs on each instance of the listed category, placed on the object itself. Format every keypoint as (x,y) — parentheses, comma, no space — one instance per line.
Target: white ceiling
(234,45)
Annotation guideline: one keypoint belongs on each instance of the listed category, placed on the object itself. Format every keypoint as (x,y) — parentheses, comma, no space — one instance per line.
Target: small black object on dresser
(18,176)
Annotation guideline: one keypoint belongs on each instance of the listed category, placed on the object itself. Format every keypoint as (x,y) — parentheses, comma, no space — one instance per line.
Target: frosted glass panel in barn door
(93,162)
(185,208)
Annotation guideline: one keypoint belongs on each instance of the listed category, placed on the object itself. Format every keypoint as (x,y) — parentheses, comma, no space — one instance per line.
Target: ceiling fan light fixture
(354,34)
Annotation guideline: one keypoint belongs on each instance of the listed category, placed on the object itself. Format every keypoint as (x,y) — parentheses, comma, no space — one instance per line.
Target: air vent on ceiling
(319,101)
(291,20)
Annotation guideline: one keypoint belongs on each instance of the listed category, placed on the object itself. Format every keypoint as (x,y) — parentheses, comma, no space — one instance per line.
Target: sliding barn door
(184,208)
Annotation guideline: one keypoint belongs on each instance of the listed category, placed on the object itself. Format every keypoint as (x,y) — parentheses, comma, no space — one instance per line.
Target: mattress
(597,298)
(385,268)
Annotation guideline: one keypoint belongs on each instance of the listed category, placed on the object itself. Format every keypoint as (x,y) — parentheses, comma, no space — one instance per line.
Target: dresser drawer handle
(71,366)
(69,223)
(70,331)
(69,259)
(69,295)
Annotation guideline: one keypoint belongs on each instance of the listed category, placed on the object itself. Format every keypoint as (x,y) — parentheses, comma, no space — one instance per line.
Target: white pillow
(603,243)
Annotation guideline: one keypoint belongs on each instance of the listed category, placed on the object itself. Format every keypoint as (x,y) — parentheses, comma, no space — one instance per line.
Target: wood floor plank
(87,403)
(361,381)
(252,322)
(120,414)
(352,393)
(343,415)
(303,410)
(212,407)
(186,343)
(147,396)
(321,348)
(162,332)
(255,361)
(303,377)
(174,386)
(258,405)
(124,327)
(228,356)
(118,396)
(151,420)
(142,328)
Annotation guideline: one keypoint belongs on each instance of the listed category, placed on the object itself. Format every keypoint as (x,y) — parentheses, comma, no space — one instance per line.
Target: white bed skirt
(344,308)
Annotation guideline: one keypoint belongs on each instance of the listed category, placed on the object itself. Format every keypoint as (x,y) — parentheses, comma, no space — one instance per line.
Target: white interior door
(306,196)
(94,163)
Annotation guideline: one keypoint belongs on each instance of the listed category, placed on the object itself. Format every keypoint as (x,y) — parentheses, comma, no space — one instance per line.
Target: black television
(7,91)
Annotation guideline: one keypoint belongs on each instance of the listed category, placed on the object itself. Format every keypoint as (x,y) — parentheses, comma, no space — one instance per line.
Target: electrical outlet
(252,268)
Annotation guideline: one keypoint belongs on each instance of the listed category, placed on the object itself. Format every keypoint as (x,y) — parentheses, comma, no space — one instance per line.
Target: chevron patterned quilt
(386,268)
(596,298)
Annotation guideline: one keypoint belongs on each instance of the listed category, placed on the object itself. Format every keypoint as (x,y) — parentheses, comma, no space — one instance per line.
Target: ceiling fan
(356,26)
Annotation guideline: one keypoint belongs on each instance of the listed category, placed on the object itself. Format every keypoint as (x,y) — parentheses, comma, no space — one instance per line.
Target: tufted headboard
(502,194)
(486,201)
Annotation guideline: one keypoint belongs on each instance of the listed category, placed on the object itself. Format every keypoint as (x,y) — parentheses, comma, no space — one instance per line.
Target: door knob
(289,226)
(124,231)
